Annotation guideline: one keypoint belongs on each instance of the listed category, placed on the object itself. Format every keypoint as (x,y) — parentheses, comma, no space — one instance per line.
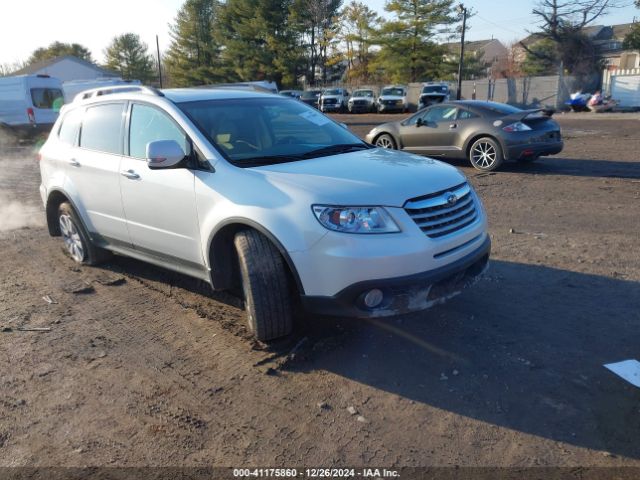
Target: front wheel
(76,239)
(266,286)
(485,154)
(386,141)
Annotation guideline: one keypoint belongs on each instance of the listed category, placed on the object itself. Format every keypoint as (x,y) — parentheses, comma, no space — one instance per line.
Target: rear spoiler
(519,116)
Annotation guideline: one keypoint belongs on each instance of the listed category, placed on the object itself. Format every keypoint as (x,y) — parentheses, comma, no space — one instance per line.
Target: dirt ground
(136,367)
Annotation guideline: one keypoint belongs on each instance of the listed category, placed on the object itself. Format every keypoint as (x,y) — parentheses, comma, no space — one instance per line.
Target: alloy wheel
(71,237)
(484,154)
(384,142)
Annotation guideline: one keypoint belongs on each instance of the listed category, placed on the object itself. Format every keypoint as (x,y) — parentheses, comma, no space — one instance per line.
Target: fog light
(373,298)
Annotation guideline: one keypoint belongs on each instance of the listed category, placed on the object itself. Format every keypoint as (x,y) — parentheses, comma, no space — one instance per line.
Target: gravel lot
(139,368)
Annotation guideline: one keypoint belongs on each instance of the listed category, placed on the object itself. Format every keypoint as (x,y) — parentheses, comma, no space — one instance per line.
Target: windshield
(435,89)
(398,92)
(310,94)
(363,93)
(263,131)
(333,91)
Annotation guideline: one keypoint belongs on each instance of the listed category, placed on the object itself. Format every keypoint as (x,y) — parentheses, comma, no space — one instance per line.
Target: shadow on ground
(523,350)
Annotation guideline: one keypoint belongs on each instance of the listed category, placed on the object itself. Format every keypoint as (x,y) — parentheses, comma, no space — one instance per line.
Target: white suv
(240,188)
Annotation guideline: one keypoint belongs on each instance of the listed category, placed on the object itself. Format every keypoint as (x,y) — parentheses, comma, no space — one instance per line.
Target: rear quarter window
(70,126)
(102,128)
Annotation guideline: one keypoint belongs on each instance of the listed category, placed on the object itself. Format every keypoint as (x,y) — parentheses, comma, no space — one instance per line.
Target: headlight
(355,219)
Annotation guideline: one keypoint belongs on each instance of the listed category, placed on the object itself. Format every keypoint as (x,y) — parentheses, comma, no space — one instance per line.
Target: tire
(77,243)
(386,141)
(486,154)
(266,286)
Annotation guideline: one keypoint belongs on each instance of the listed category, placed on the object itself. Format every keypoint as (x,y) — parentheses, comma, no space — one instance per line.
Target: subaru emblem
(452,199)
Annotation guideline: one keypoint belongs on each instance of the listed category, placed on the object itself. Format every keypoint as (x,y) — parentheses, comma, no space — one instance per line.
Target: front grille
(329,101)
(360,103)
(437,214)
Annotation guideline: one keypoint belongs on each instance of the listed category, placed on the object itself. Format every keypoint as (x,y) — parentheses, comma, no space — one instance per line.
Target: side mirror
(419,122)
(164,154)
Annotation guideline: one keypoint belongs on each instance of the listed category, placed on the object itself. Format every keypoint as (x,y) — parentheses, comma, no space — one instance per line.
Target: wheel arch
(55,198)
(393,137)
(477,136)
(222,257)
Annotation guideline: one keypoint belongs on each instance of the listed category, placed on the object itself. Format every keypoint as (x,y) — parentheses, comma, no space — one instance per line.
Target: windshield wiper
(268,160)
(335,149)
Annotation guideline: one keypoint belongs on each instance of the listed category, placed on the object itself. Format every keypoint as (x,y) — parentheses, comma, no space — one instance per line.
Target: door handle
(74,163)
(130,174)
(453,126)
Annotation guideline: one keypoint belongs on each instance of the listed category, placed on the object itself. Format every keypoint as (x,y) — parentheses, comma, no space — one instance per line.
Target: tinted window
(435,89)
(149,124)
(102,128)
(465,114)
(70,126)
(439,114)
(363,93)
(51,98)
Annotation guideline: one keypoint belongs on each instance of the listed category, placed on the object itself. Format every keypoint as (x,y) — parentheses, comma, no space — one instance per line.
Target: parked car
(487,133)
(393,99)
(362,100)
(29,104)
(291,93)
(311,97)
(432,93)
(334,100)
(239,188)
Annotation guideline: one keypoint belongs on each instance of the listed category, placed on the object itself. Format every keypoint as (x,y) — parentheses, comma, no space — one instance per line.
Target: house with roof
(68,68)
(607,41)
(491,50)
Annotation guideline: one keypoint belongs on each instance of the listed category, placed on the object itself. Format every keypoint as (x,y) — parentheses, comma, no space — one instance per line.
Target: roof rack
(97,92)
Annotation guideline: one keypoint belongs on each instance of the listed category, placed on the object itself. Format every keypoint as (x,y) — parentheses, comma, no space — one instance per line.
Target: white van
(74,87)
(29,104)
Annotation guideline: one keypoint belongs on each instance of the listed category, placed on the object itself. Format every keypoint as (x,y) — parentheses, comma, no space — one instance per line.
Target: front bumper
(405,294)
(391,108)
(331,107)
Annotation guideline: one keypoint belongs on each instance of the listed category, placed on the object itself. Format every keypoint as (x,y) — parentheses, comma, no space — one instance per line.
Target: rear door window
(47,98)
(70,126)
(102,128)
(149,124)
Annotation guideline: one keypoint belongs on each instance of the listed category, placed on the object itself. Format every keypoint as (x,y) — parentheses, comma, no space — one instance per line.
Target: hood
(390,97)
(361,98)
(369,177)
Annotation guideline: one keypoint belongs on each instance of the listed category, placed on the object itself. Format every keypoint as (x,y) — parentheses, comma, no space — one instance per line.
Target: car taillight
(31,115)
(517,127)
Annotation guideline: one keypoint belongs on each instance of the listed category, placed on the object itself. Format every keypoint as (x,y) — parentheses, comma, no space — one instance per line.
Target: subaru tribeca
(251,190)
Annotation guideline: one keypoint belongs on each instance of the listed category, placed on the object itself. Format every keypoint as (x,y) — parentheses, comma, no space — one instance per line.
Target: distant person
(596,99)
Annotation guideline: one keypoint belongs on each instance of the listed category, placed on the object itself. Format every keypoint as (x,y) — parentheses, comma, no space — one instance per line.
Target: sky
(28,24)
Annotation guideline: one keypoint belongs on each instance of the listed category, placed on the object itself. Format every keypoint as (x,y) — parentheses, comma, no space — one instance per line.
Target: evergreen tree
(128,55)
(59,49)
(193,56)
(408,50)
(259,43)
(632,39)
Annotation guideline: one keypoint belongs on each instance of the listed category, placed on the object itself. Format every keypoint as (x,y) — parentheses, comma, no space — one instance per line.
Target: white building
(67,68)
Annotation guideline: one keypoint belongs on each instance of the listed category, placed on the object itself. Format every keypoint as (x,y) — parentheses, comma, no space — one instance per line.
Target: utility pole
(159,61)
(463,11)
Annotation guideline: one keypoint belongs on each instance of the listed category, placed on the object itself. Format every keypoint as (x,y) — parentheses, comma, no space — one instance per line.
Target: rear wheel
(386,141)
(266,286)
(485,154)
(77,243)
